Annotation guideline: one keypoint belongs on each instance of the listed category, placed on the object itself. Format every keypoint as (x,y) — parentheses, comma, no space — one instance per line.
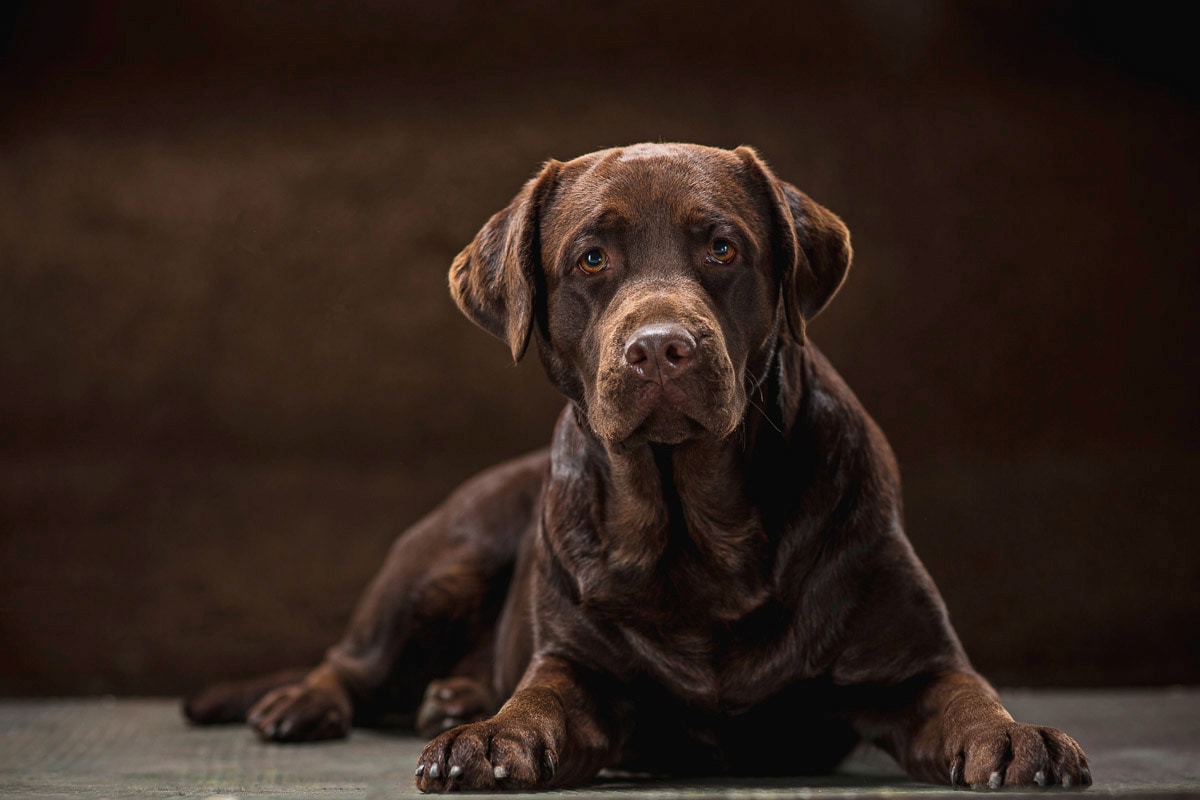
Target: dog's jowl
(707,571)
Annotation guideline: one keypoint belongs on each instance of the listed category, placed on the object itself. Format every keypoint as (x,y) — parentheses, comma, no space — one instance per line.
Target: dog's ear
(494,279)
(811,247)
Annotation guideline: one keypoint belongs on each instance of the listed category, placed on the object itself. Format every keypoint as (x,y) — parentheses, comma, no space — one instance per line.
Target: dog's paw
(302,713)
(452,702)
(231,701)
(222,703)
(1016,754)
(488,755)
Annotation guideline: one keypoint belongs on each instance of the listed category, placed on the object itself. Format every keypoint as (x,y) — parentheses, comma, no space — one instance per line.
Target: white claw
(455,771)
(433,770)
(500,773)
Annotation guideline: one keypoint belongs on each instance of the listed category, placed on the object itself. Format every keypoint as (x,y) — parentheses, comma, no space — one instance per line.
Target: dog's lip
(662,415)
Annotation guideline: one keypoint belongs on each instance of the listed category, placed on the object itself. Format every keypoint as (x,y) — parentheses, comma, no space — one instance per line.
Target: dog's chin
(667,426)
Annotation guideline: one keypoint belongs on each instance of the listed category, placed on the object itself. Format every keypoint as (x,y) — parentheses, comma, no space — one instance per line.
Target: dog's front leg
(558,729)
(955,730)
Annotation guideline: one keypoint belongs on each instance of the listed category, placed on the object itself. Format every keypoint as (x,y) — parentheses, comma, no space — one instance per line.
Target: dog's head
(656,280)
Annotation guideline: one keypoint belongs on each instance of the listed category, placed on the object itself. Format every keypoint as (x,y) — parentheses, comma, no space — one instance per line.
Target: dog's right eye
(721,252)
(593,261)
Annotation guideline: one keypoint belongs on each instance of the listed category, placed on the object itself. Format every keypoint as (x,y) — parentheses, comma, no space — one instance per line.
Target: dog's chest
(681,594)
(718,665)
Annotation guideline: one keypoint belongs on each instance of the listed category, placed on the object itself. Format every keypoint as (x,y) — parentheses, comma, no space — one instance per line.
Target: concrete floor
(1143,743)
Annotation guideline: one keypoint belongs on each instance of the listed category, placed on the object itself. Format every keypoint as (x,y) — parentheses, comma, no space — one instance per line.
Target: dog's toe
(451,702)
(486,756)
(1015,754)
(301,713)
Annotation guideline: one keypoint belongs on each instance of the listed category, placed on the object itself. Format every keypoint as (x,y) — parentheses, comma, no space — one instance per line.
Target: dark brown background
(231,372)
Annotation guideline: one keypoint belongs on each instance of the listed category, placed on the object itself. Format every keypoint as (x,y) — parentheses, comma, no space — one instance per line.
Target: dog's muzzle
(664,375)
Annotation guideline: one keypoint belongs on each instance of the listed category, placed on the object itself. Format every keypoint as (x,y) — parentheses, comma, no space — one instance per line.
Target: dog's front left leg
(558,729)
(951,728)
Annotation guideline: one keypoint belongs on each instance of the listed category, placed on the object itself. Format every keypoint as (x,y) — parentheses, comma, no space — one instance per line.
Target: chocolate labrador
(707,572)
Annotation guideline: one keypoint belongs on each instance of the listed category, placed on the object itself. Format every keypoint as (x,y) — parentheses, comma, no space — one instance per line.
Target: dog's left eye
(721,251)
(593,261)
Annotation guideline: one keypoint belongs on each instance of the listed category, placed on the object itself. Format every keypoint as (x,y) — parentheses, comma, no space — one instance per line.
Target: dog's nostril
(635,353)
(678,350)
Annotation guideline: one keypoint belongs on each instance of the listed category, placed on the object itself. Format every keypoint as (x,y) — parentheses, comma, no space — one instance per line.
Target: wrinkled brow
(696,216)
(699,220)
(605,219)
(702,219)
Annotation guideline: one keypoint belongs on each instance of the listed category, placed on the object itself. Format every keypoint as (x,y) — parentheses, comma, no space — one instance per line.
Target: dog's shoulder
(827,428)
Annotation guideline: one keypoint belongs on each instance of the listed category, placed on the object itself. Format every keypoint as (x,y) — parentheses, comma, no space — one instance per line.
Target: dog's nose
(660,352)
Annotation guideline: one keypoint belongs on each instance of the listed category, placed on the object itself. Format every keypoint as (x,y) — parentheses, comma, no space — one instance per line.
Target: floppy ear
(494,278)
(811,247)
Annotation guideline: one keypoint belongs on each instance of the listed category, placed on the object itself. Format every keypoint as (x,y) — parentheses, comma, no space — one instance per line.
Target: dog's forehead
(688,182)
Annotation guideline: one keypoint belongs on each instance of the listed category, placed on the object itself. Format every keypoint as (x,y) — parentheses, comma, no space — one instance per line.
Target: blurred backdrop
(230,371)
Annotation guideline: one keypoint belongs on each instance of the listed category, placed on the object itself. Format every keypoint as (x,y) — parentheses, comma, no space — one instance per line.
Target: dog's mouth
(664,419)
(627,411)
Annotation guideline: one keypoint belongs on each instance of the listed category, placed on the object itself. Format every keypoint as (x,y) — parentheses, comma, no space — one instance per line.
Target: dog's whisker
(765,415)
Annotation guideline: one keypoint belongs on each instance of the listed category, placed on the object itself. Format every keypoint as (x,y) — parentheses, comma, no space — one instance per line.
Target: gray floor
(1140,742)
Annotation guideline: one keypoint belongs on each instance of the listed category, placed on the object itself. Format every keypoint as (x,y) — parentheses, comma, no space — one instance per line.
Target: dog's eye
(593,261)
(721,251)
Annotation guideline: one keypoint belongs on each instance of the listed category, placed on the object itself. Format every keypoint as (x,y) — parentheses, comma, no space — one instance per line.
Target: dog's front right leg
(556,730)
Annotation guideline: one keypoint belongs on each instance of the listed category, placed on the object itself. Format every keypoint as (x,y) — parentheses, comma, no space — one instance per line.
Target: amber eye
(721,251)
(593,261)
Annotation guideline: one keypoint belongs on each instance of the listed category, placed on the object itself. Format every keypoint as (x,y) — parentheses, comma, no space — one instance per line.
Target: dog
(707,572)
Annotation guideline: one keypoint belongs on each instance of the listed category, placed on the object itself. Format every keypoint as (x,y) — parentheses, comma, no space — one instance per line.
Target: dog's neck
(689,496)
(691,502)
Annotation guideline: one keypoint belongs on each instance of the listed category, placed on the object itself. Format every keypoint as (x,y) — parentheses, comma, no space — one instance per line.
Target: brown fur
(708,571)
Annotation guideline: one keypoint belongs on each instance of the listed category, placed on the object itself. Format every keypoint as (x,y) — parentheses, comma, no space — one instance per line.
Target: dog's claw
(499,773)
(455,771)
(996,780)
(433,770)
(1040,778)
(1067,782)
(956,772)
(420,770)
(1086,774)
